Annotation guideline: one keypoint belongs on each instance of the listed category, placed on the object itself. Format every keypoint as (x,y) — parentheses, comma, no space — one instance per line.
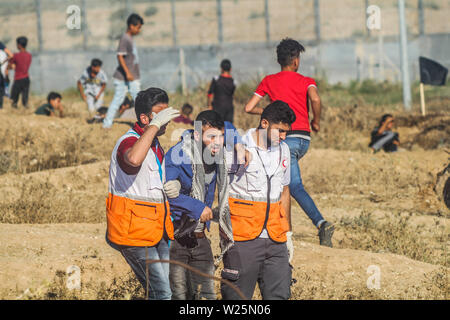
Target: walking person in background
(21,62)
(382,137)
(295,89)
(221,91)
(127,76)
(92,84)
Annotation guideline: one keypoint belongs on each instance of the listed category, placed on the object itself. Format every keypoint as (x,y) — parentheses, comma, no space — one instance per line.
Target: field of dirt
(54,178)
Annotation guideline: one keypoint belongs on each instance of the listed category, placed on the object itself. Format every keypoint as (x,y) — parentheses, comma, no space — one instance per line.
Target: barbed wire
(195,270)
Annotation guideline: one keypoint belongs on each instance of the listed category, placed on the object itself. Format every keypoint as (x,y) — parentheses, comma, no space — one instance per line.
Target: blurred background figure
(221,91)
(53,104)
(20,62)
(185,116)
(92,84)
(383,136)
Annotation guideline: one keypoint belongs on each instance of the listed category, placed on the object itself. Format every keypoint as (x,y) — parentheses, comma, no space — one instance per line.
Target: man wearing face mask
(138,215)
(192,165)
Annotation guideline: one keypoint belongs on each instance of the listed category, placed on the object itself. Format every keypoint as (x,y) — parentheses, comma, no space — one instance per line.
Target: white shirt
(251,183)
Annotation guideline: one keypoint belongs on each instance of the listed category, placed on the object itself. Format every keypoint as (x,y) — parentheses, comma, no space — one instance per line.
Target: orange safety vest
(251,207)
(248,219)
(137,209)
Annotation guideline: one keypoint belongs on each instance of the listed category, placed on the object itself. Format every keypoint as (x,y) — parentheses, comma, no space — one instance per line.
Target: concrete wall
(334,59)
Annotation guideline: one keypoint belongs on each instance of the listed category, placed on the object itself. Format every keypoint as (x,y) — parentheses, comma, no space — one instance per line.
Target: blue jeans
(158,273)
(120,90)
(298,148)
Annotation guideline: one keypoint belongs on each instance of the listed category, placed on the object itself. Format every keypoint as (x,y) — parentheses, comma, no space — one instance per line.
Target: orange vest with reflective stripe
(137,209)
(248,218)
(251,206)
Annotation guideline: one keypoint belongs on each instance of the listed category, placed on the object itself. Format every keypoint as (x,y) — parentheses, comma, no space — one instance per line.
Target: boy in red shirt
(295,89)
(21,62)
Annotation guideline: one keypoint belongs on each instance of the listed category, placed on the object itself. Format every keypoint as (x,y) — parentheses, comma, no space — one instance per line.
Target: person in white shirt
(259,203)
(92,84)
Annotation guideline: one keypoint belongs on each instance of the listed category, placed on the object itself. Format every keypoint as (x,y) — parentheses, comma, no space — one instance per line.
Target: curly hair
(287,50)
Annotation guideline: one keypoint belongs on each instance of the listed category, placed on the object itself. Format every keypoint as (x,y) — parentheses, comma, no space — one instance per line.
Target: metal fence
(52,24)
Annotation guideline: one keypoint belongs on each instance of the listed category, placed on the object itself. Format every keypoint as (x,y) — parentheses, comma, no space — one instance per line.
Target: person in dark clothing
(53,103)
(382,137)
(21,62)
(220,93)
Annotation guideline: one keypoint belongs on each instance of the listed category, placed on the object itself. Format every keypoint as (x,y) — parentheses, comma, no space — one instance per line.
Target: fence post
(39,24)
(317,19)
(404,56)
(219,21)
(420,8)
(267,17)
(174,23)
(128,7)
(366,5)
(84,23)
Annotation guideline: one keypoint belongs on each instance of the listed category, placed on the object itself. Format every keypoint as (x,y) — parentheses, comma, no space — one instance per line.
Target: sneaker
(325,233)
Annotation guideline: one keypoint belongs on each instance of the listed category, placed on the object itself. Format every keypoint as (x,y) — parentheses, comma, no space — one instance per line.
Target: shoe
(325,234)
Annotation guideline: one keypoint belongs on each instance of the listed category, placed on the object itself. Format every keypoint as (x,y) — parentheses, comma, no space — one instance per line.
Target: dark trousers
(226,113)
(21,86)
(188,285)
(261,261)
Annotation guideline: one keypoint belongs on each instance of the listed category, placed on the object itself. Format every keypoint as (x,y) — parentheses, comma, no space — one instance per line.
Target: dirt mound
(35,254)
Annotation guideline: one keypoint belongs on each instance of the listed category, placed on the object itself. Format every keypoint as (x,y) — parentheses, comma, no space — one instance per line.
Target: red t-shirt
(22,60)
(292,88)
(128,143)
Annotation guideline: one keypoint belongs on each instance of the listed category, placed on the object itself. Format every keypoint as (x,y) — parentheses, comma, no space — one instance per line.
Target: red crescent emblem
(283,163)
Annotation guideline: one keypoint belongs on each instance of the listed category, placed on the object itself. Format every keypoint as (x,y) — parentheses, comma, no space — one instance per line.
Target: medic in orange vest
(259,203)
(138,214)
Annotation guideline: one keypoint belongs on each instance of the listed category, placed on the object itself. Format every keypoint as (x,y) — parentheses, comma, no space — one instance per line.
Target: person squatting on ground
(383,136)
(53,104)
(20,62)
(138,213)
(92,84)
(259,204)
(221,91)
(295,89)
(127,75)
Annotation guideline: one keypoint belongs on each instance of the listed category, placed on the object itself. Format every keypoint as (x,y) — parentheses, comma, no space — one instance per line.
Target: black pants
(226,113)
(21,86)
(261,261)
(188,285)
